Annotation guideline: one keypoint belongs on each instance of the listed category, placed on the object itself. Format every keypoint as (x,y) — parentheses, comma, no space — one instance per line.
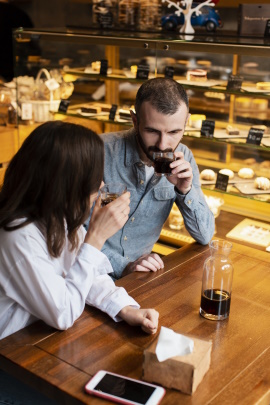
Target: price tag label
(112,112)
(234,82)
(26,111)
(63,106)
(142,72)
(222,182)
(52,84)
(267,29)
(103,67)
(255,136)
(208,128)
(169,72)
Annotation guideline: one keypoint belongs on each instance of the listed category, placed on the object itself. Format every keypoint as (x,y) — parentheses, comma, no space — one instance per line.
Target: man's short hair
(164,94)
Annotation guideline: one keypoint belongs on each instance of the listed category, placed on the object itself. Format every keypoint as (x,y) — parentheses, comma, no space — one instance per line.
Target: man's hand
(182,173)
(146,318)
(148,262)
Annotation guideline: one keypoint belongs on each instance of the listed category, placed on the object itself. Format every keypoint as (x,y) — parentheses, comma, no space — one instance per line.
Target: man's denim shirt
(150,204)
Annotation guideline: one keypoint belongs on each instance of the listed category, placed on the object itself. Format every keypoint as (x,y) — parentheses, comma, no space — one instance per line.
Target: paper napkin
(171,344)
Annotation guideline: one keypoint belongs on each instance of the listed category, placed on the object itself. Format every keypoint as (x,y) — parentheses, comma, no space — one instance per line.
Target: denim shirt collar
(132,155)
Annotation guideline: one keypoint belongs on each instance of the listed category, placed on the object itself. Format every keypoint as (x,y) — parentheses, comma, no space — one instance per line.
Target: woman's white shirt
(33,285)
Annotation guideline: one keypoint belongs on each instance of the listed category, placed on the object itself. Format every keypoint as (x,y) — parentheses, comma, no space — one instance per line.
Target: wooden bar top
(59,363)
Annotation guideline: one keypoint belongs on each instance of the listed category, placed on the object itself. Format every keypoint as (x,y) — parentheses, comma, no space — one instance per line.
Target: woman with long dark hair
(50,266)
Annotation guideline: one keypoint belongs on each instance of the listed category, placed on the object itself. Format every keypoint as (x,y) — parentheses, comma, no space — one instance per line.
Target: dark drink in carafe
(216,302)
(109,198)
(162,165)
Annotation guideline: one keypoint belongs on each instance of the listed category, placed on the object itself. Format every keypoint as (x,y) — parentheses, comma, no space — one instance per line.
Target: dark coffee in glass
(108,198)
(162,161)
(216,303)
(109,192)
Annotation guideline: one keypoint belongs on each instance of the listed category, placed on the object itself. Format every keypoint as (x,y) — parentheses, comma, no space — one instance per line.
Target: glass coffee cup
(162,161)
(109,192)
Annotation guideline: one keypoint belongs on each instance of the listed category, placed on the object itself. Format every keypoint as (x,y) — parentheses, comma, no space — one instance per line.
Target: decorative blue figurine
(192,14)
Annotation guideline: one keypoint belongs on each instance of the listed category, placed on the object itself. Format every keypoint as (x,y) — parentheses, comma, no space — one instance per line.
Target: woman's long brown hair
(50,180)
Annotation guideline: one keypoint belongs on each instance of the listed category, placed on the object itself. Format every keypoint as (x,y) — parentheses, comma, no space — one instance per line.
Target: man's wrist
(183,192)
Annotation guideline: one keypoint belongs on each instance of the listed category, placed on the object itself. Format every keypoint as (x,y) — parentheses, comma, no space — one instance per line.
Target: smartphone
(124,390)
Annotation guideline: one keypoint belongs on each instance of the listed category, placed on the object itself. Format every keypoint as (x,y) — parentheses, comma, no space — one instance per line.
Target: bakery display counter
(206,65)
(224,223)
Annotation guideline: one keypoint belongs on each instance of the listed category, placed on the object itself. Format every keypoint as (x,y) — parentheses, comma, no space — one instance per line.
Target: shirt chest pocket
(159,202)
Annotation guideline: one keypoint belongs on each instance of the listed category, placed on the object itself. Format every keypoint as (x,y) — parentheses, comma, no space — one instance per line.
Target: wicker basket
(41,109)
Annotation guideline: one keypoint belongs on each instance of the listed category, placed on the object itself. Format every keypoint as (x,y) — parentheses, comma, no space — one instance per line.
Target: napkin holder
(184,373)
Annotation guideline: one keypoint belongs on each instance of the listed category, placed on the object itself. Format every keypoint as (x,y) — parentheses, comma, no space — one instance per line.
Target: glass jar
(217,282)
(128,14)
(104,13)
(150,15)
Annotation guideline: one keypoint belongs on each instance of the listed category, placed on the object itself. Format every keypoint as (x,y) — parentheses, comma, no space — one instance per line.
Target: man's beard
(149,151)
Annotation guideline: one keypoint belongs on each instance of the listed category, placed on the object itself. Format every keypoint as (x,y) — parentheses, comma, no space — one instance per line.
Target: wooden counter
(59,363)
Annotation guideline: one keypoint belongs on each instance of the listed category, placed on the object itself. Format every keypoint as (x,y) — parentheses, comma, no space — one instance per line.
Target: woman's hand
(146,318)
(106,221)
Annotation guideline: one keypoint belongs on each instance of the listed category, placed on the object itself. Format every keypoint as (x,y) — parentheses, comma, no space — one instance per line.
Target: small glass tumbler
(109,192)
(162,161)
(217,282)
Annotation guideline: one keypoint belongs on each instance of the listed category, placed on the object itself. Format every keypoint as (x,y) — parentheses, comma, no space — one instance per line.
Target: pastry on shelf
(246,173)
(230,130)
(176,221)
(90,110)
(227,172)
(250,161)
(106,108)
(96,66)
(263,85)
(262,127)
(243,103)
(133,69)
(208,174)
(250,65)
(195,120)
(260,104)
(265,164)
(169,61)
(216,96)
(184,62)
(214,203)
(262,183)
(124,114)
(205,63)
(199,75)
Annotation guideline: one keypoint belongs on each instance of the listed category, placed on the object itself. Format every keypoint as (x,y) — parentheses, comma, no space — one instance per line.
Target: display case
(106,68)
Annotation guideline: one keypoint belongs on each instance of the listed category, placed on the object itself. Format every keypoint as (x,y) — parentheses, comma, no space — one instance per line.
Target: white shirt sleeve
(52,291)
(58,301)
(108,298)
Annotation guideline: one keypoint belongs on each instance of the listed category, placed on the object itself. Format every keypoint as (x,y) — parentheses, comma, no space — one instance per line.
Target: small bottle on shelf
(12,115)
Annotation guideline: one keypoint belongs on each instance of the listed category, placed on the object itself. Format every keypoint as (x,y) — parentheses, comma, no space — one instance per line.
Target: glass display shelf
(75,53)
(221,87)
(229,40)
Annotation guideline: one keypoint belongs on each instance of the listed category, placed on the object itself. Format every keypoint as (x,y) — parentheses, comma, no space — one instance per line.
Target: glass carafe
(217,282)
